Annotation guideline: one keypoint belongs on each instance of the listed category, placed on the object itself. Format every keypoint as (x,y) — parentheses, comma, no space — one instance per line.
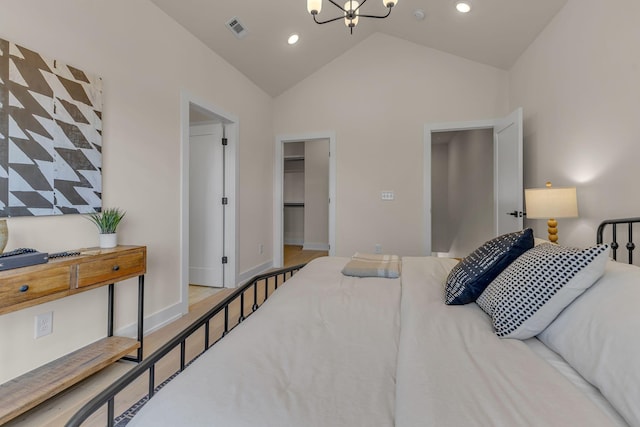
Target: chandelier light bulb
(293,39)
(314,6)
(351,13)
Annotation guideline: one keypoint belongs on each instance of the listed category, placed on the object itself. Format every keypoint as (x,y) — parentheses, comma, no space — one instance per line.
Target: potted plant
(107,221)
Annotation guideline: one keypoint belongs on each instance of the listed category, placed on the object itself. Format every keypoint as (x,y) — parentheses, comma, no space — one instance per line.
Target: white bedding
(454,371)
(576,379)
(335,351)
(320,352)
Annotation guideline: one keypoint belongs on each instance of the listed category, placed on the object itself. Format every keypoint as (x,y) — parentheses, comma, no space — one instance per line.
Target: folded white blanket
(373,265)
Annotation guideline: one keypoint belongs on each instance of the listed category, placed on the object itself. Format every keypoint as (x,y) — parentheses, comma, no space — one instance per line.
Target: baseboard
(153,322)
(294,242)
(315,247)
(254,272)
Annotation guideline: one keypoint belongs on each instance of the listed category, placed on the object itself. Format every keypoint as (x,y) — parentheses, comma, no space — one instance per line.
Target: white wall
(145,60)
(377,97)
(579,86)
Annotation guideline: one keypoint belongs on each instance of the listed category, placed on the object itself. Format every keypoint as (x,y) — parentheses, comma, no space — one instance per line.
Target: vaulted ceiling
(495,32)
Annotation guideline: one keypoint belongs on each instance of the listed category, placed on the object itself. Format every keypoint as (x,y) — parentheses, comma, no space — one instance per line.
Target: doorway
(304,196)
(461,190)
(208,236)
(306,201)
(473,183)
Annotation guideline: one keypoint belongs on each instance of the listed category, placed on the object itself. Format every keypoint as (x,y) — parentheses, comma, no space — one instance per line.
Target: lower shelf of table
(29,390)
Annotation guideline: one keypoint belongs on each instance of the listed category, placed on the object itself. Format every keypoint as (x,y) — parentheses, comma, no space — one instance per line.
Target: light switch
(387,195)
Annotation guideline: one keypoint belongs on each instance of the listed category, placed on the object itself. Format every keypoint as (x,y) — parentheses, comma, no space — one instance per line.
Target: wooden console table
(59,278)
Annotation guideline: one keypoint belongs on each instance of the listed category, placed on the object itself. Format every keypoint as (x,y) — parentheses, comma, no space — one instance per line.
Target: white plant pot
(108,240)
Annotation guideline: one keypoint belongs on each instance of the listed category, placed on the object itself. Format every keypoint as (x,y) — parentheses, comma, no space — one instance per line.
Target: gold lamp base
(552,229)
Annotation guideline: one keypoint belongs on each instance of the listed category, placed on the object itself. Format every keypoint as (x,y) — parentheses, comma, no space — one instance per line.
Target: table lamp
(551,203)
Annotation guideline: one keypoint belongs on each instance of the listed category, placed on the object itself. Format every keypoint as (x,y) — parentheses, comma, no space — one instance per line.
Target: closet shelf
(294,204)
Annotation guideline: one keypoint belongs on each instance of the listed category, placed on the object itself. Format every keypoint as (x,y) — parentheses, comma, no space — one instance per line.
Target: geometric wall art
(50,136)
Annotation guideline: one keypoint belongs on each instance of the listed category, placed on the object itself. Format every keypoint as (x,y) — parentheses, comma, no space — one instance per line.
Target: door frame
(231,124)
(426,166)
(278,200)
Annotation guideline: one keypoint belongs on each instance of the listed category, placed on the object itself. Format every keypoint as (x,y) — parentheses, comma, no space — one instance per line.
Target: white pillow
(526,297)
(599,336)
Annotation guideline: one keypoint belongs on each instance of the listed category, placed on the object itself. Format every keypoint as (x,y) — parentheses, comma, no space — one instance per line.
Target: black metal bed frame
(630,246)
(107,396)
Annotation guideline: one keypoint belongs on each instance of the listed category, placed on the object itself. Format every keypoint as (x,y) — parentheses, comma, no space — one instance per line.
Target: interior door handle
(516,214)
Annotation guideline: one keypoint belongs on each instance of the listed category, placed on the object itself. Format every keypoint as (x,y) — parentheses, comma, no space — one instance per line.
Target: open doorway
(461,190)
(304,198)
(473,183)
(208,225)
(306,201)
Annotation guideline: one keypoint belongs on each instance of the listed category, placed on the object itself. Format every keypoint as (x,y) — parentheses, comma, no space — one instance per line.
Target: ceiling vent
(237,28)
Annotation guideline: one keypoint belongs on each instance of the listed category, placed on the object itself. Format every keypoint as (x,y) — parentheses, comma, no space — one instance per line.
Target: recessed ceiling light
(463,6)
(293,39)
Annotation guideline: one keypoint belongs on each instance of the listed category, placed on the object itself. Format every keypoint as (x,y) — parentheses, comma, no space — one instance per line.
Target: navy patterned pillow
(468,279)
(528,295)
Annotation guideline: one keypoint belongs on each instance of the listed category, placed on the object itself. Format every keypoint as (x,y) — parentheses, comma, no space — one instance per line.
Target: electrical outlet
(43,324)
(260,248)
(378,248)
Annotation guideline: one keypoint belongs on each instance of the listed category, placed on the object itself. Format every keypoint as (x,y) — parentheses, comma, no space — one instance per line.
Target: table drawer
(21,287)
(109,270)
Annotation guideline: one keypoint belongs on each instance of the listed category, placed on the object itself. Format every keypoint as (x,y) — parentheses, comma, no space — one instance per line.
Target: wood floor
(56,411)
(198,293)
(294,255)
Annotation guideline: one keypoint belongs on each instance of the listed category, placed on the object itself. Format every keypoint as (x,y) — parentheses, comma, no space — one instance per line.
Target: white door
(206,227)
(508,181)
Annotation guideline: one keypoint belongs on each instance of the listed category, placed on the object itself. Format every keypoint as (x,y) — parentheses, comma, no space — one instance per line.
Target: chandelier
(350,11)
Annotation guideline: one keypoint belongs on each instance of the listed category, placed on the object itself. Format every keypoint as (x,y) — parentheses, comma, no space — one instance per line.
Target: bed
(328,349)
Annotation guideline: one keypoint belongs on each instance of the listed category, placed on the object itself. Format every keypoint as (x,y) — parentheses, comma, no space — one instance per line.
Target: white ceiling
(495,32)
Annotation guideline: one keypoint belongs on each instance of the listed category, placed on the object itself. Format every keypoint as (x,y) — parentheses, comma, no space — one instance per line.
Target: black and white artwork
(50,135)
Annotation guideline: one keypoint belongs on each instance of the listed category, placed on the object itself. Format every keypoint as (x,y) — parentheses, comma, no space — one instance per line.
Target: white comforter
(320,352)
(335,351)
(454,371)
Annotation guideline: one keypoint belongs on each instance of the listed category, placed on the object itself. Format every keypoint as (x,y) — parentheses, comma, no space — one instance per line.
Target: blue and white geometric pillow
(472,274)
(529,294)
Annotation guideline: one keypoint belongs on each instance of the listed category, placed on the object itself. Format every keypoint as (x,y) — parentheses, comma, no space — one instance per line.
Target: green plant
(107,221)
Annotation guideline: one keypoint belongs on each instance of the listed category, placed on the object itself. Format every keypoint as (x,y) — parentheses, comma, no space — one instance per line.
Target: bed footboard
(269,280)
(630,246)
